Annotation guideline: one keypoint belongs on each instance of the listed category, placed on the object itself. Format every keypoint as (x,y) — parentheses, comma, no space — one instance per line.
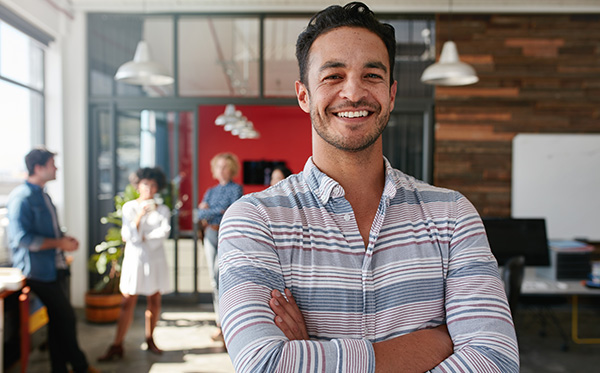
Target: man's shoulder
(411,188)
(21,192)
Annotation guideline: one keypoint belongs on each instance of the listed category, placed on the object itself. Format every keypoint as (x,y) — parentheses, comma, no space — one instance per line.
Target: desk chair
(512,276)
(29,324)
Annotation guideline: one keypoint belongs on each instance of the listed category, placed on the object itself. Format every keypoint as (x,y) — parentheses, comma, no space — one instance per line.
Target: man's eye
(332,77)
(374,76)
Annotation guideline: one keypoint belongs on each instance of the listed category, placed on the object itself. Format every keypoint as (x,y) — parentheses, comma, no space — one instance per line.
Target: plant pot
(102,308)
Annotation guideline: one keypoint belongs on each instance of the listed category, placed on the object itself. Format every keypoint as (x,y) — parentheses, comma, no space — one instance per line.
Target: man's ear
(393,90)
(303,96)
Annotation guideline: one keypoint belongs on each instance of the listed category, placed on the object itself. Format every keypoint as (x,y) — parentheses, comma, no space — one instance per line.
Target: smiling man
(381,272)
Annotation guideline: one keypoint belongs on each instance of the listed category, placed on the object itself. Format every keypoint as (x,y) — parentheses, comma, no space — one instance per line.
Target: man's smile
(353,114)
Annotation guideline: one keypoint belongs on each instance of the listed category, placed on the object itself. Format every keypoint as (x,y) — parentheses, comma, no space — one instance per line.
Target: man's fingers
(289,315)
(297,315)
(282,319)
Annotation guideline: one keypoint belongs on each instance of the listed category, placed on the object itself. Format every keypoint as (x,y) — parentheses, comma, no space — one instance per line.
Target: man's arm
(416,352)
(250,267)
(21,222)
(65,243)
(477,312)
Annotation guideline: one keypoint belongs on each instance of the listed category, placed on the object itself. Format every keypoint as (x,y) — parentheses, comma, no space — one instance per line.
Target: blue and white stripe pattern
(428,262)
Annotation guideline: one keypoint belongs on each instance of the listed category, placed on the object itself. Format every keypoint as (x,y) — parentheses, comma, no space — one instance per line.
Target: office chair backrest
(512,276)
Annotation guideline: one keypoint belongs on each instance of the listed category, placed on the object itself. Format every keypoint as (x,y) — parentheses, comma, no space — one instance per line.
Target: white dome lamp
(142,70)
(449,71)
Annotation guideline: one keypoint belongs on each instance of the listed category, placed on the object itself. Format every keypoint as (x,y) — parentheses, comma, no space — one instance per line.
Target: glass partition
(281,66)
(218,56)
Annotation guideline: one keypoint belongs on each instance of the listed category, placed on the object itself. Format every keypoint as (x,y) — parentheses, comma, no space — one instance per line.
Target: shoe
(152,346)
(114,351)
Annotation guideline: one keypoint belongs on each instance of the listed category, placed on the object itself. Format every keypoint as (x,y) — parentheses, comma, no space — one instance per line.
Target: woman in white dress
(146,225)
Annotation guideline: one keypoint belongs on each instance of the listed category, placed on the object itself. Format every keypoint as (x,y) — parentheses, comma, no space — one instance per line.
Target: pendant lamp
(142,70)
(449,71)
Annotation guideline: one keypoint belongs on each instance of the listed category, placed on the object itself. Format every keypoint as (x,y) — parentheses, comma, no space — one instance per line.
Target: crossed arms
(409,317)
(415,352)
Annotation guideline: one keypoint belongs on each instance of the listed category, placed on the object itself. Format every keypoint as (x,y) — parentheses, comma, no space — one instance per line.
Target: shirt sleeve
(129,231)
(249,269)
(477,312)
(21,225)
(162,231)
(213,208)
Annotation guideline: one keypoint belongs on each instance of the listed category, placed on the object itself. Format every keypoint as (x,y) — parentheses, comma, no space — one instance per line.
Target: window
(21,103)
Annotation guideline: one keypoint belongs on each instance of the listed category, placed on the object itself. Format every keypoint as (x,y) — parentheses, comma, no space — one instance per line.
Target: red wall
(285,135)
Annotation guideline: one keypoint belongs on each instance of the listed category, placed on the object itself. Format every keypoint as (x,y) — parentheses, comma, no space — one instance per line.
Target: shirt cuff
(355,355)
(36,243)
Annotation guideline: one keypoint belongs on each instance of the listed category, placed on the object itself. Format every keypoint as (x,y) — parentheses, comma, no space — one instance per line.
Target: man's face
(47,172)
(348,93)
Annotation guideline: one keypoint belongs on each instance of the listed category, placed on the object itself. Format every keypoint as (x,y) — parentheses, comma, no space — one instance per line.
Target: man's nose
(354,89)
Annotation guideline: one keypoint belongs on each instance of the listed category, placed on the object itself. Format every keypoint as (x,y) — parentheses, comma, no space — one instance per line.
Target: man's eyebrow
(331,65)
(376,65)
(368,65)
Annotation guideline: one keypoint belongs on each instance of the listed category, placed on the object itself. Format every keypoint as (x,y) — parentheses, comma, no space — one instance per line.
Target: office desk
(11,280)
(534,284)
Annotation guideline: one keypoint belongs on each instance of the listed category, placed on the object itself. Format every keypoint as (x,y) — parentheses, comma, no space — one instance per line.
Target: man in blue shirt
(37,246)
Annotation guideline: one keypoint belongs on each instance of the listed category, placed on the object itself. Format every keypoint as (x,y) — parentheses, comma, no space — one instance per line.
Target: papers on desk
(570,246)
(533,286)
(11,279)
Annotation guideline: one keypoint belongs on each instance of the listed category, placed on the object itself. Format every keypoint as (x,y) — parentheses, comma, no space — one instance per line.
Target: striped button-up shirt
(427,262)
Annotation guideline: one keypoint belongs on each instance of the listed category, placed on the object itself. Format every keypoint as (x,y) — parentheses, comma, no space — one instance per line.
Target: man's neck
(33,179)
(354,171)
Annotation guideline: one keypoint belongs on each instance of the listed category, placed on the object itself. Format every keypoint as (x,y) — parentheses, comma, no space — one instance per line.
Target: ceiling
(409,6)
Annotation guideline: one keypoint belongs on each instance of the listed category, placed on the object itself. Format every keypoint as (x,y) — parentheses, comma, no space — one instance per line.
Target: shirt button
(347,217)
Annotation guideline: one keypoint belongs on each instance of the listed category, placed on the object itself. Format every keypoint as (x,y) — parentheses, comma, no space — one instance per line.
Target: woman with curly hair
(146,224)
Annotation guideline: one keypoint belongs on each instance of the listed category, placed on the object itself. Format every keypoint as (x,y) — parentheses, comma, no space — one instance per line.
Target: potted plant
(102,302)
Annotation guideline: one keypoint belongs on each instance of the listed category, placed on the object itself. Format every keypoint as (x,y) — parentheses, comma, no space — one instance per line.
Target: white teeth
(353,114)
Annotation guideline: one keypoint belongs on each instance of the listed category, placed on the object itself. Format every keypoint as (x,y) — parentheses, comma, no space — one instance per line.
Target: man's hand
(68,243)
(288,317)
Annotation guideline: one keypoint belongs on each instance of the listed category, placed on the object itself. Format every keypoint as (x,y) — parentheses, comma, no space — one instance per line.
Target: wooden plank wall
(538,74)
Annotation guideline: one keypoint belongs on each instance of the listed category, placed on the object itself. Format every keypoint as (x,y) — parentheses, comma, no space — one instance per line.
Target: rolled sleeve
(22,224)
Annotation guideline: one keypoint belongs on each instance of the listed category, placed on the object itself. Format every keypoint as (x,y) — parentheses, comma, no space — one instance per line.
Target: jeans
(211,238)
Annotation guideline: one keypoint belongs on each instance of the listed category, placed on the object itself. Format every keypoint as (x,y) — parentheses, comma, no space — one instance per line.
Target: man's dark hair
(152,173)
(37,156)
(353,14)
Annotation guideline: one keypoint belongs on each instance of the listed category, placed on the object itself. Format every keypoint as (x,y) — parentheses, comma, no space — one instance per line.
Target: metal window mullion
(8,80)
(175,56)
(195,224)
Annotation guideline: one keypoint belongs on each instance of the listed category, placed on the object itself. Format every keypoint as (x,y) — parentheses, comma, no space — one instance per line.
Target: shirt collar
(325,187)
(34,186)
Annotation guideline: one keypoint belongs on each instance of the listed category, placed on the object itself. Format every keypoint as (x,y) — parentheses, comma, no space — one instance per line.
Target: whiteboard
(557,177)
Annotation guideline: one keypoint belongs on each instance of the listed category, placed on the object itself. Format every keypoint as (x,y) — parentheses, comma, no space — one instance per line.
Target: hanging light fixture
(142,70)
(234,122)
(450,70)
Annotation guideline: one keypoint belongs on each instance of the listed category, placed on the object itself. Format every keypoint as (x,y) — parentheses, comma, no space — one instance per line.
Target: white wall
(66,121)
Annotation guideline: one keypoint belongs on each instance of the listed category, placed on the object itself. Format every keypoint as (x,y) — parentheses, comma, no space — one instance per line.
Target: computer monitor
(513,237)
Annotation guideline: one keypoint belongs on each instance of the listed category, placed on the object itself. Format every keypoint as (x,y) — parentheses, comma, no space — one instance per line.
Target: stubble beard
(321,125)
